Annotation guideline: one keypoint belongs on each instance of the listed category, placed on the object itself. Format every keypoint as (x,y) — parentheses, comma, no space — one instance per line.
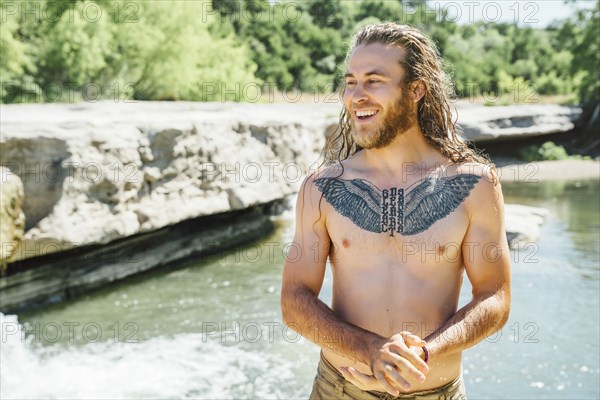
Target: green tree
(586,64)
(334,14)
(292,51)
(180,59)
(586,56)
(75,50)
(15,57)
(381,9)
(145,50)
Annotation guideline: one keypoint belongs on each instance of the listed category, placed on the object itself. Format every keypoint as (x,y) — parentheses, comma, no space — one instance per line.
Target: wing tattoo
(434,199)
(390,210)
(356,199)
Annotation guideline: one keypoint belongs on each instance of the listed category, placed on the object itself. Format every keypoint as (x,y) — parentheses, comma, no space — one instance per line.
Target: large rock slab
(523,224)
(486,124)
(95,173)
(12,218)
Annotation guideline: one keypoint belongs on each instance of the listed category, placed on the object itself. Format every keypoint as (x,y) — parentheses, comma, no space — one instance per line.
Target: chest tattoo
(395,210)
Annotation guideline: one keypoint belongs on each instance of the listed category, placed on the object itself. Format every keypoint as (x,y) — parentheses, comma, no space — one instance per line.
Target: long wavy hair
(423,63)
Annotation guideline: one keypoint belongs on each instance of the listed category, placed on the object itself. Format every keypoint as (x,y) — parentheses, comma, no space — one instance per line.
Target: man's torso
(403,270)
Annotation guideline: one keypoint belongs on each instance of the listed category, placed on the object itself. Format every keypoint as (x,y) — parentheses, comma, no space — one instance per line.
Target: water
(212,328)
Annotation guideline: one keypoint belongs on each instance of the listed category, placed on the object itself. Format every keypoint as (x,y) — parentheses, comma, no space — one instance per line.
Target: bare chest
(424,223)
(440,243)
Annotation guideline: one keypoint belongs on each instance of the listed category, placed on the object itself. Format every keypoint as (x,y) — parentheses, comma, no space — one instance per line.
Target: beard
(396,121)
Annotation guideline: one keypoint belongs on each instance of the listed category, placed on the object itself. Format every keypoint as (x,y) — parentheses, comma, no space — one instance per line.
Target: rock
(523,224)
(36,282)
(12,219)
(485,124)
(97,172)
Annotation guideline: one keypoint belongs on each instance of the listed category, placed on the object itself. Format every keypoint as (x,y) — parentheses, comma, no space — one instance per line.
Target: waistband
(333,376)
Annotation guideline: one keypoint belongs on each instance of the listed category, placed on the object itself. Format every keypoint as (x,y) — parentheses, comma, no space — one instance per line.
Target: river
(212,328)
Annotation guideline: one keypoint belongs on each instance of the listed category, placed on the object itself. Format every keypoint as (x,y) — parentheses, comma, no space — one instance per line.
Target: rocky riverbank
(512,170)
(95,173)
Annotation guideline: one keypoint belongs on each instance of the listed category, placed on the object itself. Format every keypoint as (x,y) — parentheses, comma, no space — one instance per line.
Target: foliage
(294,44)
(16,60)
(586,55)
(217,50)
(142,50)
(180,58)
(547,151)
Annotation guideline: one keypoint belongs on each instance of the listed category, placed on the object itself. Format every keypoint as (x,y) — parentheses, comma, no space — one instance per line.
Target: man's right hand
(395,364)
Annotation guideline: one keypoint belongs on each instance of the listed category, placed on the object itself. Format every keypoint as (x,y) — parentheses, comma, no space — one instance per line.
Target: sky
(537,13)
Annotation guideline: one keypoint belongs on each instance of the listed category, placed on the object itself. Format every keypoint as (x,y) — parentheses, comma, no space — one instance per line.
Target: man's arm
(487,263)
(302,310)
(303,274)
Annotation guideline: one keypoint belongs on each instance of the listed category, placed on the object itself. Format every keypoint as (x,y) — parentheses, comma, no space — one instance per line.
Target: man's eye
(371,81)
(350,83)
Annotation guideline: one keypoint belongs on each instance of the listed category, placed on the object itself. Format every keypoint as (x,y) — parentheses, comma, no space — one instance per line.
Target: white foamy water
(182,366)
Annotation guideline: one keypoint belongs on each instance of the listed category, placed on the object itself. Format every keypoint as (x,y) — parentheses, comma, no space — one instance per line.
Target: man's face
(375,97)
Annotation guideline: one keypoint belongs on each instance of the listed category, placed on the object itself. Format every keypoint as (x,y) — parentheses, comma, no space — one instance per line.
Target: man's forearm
(470,325)
(313,319)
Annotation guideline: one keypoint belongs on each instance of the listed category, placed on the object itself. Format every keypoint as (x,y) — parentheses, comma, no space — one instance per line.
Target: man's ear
(417,89)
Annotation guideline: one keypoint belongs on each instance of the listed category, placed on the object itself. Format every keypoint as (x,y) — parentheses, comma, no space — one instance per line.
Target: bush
(171,54)
(547,151)
(166,51)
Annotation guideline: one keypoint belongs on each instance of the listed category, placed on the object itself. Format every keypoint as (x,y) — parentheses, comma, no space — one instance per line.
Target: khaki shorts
(330,384)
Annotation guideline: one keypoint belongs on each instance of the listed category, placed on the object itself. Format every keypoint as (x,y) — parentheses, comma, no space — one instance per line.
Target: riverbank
(41,281)
(514,170)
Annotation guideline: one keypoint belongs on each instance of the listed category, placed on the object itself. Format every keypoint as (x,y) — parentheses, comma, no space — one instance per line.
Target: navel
(441,249)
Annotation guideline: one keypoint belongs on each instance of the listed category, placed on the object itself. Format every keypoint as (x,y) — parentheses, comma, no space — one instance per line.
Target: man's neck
(408,150)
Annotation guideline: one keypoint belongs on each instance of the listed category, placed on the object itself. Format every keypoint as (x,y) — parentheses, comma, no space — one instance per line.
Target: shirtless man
(401,209)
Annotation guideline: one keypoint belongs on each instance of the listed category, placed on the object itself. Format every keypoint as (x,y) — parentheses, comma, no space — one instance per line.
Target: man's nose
(359,95)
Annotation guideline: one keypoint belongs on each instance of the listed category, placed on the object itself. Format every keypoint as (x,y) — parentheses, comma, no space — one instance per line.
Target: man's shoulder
(487,172)
(486,191)
(310,190)
(324,172)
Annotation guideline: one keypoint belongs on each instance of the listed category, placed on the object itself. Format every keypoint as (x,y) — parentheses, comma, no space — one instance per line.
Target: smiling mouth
(365,115)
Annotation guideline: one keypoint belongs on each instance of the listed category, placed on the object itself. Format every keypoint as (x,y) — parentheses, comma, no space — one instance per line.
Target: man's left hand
(360,380)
